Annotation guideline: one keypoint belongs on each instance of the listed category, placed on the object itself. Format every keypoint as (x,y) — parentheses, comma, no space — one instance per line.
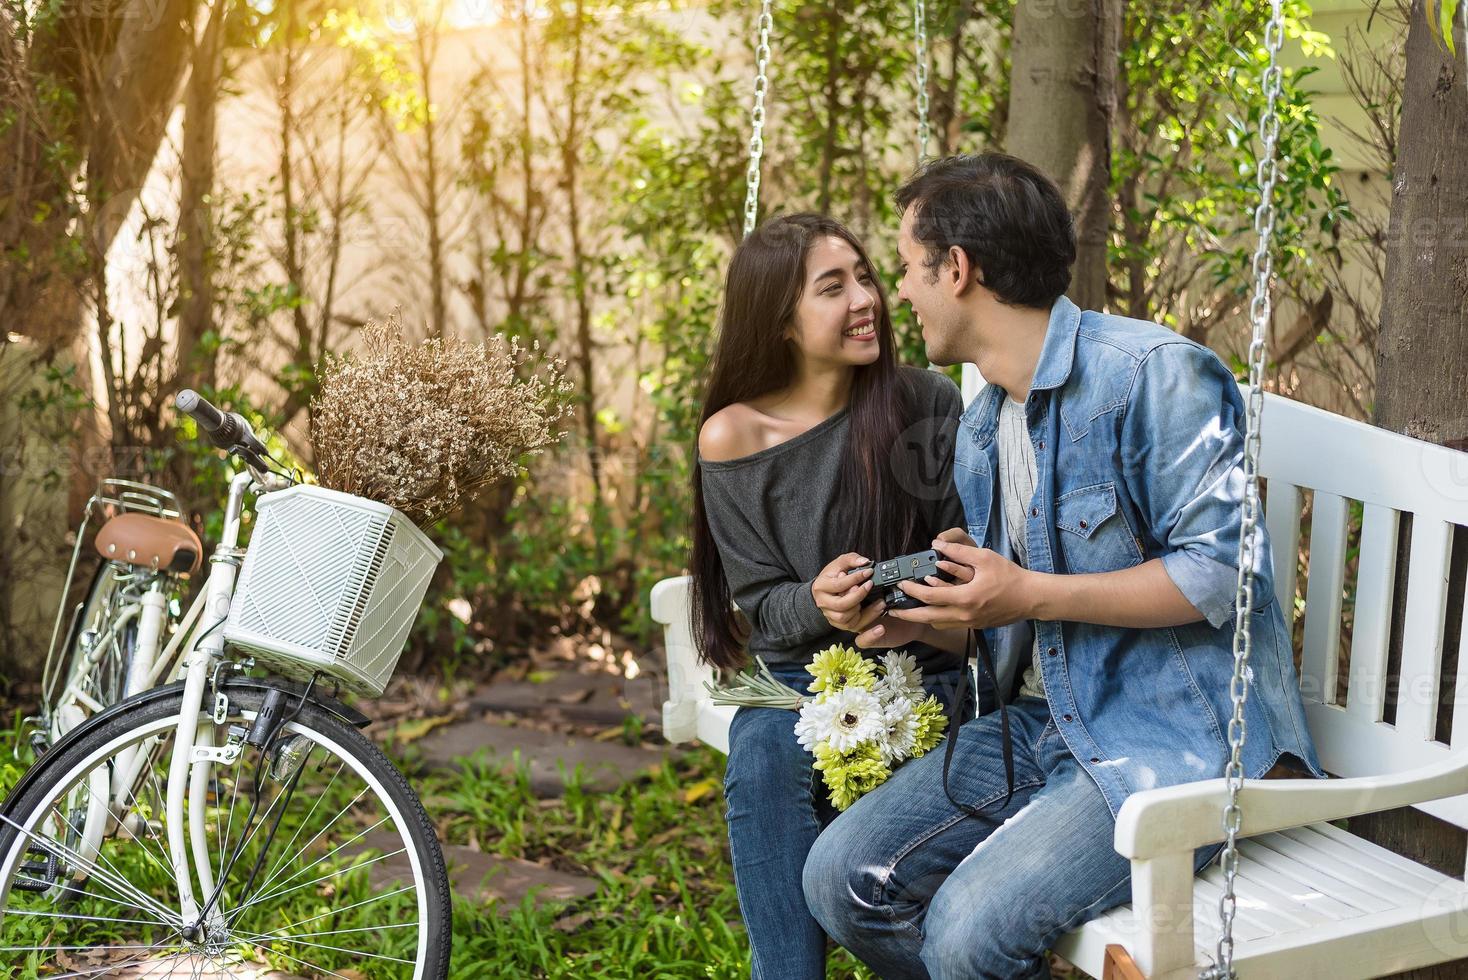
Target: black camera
(908,568)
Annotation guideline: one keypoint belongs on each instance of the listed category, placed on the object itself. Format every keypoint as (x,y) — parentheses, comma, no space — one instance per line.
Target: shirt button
(1065,717)
(1094,759)
(1051,651)
(1042,443)
(1034,512)
(1084,525)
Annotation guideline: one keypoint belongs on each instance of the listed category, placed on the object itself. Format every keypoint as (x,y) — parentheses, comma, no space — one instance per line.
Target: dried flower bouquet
(426,427)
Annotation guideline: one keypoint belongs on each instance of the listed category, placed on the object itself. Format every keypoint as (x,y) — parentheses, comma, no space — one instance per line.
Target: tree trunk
(1422,350)
(1061,102)
(124,81)
(196,213)
(433,207)
(295,273)
(580,274)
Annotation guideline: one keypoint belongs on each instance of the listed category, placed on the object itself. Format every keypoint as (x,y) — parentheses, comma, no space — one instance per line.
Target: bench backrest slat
(1427,587)
(1282,518)
(1324,593)
(1373,624)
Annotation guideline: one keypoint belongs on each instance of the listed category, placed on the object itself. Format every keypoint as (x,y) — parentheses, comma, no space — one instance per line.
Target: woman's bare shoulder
(729,433)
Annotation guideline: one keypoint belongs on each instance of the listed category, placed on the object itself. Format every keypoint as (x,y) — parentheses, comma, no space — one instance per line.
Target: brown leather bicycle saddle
(150,542)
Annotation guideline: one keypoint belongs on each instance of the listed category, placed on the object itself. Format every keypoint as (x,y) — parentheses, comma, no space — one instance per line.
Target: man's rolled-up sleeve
(1183,449)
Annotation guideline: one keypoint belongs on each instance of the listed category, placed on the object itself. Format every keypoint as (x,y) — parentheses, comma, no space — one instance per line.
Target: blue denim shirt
(1138,437)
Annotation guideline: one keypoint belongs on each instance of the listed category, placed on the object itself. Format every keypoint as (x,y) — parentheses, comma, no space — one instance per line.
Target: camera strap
(957,707)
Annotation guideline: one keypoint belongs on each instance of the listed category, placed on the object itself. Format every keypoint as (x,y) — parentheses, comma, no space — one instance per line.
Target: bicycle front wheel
(312,855)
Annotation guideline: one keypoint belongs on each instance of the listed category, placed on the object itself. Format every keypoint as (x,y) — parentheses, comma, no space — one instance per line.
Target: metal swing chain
(757,118)
(1259,313)
(920,26)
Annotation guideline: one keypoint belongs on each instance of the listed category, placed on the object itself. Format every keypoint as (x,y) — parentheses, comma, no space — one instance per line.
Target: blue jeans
(916,888)
(776,807)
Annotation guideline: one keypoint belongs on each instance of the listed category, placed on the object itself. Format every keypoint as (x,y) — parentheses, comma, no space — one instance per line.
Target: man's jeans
(916,888)
(776,807)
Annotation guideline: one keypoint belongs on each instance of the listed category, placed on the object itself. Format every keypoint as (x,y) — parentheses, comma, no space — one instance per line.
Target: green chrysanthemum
(850,775)
(838,667)
(931,720)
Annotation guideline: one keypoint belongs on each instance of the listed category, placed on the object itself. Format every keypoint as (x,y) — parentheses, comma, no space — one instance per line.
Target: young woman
(817,455)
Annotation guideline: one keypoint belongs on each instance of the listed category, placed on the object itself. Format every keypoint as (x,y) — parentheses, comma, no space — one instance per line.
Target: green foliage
(1186,156)
(658,151)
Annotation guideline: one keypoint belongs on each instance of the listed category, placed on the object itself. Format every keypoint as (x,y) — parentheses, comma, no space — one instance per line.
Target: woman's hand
(889,633)
(839,590)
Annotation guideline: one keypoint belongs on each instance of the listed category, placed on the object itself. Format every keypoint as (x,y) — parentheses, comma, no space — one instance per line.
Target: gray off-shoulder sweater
(773,517)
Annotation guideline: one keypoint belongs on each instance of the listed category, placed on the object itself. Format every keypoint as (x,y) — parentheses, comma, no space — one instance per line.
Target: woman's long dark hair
(751,358)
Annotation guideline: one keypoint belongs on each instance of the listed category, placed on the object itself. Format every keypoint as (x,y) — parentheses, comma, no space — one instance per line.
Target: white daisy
(902,728)
(814,723)
(901,677)
(850,717)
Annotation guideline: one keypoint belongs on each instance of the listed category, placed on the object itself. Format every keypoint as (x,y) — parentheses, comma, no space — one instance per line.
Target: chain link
(757,118)
(1259,314)
(920,27)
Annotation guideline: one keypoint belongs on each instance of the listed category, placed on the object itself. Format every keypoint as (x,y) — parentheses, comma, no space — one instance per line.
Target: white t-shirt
(1017,477)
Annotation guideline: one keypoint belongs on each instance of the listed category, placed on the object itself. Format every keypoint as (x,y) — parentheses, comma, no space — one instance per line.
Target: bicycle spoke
(341,932)
(274,868)
(71,888)
(365,901)
(155,853)
(295,959)
(110,967)
(85,918)
(335,949)
(258,899)
(160,806)
(341,813)
(280,795)
(234,792)
(339,871)
(118,884)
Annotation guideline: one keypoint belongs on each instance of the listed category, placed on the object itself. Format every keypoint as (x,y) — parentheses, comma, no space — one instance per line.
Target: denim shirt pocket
(1095,535)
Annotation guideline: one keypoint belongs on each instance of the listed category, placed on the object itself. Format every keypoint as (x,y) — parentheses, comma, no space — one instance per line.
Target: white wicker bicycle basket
(330,582)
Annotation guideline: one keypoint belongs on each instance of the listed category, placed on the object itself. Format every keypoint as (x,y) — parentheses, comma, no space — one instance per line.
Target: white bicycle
(243,819)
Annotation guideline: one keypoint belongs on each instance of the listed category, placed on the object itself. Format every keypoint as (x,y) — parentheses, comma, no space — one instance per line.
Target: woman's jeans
(916,888)
(777,806)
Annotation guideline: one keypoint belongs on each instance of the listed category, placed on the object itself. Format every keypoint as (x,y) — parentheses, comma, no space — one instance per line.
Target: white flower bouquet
(861,720)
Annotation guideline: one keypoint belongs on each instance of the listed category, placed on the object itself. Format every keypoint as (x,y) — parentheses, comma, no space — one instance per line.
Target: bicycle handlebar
(226,430)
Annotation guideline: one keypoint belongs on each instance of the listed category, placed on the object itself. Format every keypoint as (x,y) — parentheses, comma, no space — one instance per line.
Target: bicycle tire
(89,749)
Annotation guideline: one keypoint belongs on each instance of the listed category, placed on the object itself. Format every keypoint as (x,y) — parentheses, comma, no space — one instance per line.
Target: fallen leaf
(570,923)
(414,729)
(700,789)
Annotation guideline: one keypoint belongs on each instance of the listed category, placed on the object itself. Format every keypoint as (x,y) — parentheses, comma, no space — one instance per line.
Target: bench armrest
(1159,829)
(1178,819)
(670,603)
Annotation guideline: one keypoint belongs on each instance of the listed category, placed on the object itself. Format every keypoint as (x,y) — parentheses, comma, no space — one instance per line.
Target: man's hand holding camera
(988,590)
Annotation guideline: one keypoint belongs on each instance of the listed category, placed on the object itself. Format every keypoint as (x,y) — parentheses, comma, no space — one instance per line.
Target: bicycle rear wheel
(325,862)
(87,688)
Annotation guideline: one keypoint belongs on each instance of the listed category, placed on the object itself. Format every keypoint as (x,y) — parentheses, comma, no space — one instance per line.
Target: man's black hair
(1005,214)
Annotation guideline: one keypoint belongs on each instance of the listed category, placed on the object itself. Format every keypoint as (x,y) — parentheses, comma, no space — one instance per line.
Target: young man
(1101,471)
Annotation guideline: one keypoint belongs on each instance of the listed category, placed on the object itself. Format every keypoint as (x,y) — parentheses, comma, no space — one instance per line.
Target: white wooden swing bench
(1313,900)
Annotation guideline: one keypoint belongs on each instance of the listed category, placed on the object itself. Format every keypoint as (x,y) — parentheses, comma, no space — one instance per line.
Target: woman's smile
(864,330)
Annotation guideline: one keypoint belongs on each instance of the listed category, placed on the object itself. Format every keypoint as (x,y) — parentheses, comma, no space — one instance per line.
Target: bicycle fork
(191,765)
